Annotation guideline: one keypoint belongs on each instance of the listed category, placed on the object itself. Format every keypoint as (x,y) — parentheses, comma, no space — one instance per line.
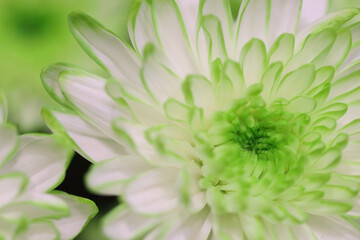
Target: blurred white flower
(210,128)
(31,166)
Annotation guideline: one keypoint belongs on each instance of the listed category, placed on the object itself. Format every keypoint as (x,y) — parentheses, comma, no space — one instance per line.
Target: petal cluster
(210,127)
(31,167)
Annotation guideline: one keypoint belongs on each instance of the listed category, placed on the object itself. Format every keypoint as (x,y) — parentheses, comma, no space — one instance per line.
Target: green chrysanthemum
(211,128)
(31,166)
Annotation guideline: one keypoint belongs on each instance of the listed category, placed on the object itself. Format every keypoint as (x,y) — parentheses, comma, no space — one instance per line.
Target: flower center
(253,154)
(252,128)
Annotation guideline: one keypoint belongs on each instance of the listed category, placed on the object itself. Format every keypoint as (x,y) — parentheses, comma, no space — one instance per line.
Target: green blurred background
(33,35)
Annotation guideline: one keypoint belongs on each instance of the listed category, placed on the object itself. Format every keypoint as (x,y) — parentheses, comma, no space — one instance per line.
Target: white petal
(123,223)
(7,228)
(11,185)
(196,226)
(284,17)
(253,60)
(290,86)
(161,82)
(228,227)
(109,51)
(221,10)
(141,27)
(312,11)
(338,52)
(90,141)
(36,206)
(332,228)
(348,167)
(189,11)
(3,108)
(251,22)
(81,211)
(43,230)
(108,177)
(50,77)
(173,38)
(314,46)
(8,142)
(253,227)
(135,134)
(43,159)
(154,191)
(101,109)
(200,92)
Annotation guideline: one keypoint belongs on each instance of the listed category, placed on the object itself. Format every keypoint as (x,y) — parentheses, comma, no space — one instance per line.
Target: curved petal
(79,87)
(43,159)
(108,51)
(89,140)
(8,142)
(81,211)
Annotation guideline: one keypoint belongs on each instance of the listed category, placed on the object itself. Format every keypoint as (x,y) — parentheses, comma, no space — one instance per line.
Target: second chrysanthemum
(214,129)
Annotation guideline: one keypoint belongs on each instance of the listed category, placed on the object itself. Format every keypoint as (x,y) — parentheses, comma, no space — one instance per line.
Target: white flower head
(31,166)
(214,128)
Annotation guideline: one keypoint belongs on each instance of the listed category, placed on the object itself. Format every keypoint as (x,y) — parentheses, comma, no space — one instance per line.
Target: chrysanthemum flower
(31,166)
(209,128)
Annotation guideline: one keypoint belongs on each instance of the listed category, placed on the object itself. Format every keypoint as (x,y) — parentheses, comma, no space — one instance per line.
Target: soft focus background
(33,35)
